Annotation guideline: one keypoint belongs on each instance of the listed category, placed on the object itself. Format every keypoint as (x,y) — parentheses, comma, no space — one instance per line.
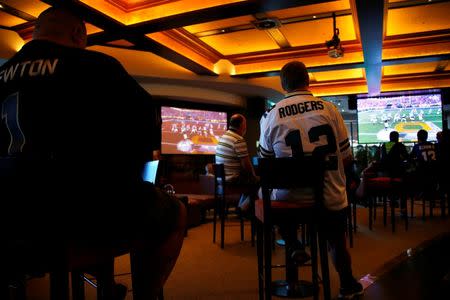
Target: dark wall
(255,109)
(182,171)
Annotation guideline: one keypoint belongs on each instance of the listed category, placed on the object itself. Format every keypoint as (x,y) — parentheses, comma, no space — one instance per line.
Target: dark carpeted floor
(204,271)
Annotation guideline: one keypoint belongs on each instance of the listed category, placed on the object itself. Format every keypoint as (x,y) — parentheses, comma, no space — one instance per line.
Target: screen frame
(197,107)
(431,137)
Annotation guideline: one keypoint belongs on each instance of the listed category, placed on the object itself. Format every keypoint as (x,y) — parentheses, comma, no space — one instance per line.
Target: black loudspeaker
(445,94)
(256,107)
(352,102)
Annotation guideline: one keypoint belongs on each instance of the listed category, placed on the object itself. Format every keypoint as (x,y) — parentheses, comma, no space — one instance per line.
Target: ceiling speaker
(352,103)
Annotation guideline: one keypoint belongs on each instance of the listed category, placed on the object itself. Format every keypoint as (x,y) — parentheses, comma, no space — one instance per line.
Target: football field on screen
(374,126)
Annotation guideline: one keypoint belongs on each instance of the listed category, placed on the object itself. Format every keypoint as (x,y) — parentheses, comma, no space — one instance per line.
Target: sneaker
(350,292)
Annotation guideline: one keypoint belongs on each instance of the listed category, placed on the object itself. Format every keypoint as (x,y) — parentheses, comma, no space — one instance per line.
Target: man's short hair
(422,135)
(57,21)
(236,121)
(293,76)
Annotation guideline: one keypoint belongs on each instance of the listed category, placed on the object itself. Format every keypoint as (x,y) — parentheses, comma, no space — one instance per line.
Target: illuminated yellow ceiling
(219,37)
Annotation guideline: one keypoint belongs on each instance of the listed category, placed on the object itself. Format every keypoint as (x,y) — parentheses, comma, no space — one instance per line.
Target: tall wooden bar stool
(286,173)
(225,196)
(150,265)
(388,189)
(28,258)
(426,182)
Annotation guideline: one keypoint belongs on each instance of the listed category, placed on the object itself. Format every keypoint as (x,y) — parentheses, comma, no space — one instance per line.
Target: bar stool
(283,173)
(27,258)
(226,195)
(386,188)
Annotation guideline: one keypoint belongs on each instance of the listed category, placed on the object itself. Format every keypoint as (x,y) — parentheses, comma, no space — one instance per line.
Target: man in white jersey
(302,124)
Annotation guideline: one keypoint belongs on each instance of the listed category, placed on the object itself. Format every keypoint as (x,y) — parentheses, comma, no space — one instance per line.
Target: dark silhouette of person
(76,132)
(393,156)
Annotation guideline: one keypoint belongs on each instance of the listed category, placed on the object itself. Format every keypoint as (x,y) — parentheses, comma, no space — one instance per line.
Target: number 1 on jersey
(10,115)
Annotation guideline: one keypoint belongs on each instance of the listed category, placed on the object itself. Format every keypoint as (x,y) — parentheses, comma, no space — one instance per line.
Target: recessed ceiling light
(314,17)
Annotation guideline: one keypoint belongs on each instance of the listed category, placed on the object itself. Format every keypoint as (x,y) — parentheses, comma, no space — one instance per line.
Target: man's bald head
(60,26)
(238,123)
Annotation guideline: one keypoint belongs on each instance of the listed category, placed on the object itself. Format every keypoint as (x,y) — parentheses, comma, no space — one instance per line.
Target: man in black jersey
(75,133)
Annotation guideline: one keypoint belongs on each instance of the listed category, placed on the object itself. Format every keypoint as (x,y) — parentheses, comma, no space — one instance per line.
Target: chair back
(290,172)
(219,180)
(207,183)
(230,193)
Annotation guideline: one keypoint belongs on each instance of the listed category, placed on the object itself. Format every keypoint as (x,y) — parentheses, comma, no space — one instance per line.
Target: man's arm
(265,147)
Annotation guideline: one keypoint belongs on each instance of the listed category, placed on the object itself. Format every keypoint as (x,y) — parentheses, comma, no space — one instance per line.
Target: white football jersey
(302,123)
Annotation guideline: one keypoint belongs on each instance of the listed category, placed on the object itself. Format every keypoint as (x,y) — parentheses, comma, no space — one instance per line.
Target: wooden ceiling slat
(18,13)
(147,44)
(388,62)
(310,69)
(415,60)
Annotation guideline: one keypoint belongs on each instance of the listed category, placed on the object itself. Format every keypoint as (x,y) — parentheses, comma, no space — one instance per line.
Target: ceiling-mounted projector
(336,53)
(335,49)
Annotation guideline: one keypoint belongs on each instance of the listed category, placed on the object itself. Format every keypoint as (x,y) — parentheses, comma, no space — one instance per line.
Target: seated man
(232,152)
(393,156)
(76,132)
(423,151)
(424,156)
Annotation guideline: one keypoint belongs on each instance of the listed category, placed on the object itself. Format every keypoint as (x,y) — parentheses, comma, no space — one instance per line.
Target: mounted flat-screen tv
(407,114)
(191,131)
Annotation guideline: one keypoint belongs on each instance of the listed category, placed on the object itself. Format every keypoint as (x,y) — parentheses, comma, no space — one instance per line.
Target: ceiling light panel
(307,10)
(185,50)
(90,29)
(241,42)
(420,18)
(417,50)
(318,31)
(217,25)
(31,7)
(8,20)
(410,68)
(338,75)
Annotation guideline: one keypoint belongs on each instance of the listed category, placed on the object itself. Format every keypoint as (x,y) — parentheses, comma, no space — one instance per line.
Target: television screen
(407,114)
(191,131)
